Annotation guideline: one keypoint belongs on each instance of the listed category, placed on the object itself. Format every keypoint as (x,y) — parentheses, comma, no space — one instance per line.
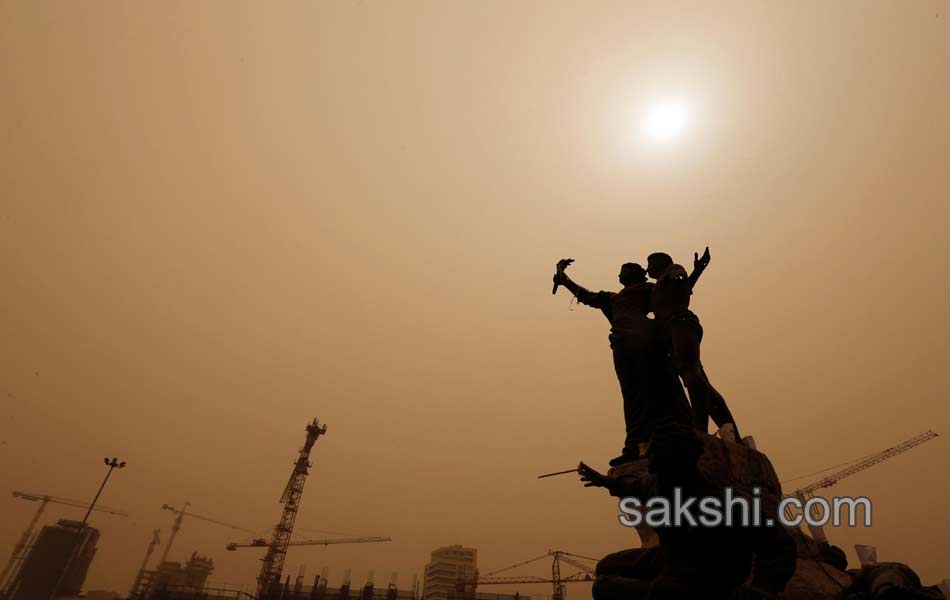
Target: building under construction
(447,566)
(14,577)
(172,575)
(57,562)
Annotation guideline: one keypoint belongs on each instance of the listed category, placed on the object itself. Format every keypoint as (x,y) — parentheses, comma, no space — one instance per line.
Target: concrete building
(61,555)
(192,576)
(447,566)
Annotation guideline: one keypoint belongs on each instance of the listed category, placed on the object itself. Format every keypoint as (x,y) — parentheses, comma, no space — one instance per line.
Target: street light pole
(112,464)
(79,547)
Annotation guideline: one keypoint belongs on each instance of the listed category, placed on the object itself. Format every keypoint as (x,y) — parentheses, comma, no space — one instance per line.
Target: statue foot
(624,458)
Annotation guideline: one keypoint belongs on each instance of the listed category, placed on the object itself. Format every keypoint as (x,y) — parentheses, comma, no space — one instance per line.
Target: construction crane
(586,573)
(262,543)
(148,554)
(808,492)
(176,525)
(268,582)
(19,550)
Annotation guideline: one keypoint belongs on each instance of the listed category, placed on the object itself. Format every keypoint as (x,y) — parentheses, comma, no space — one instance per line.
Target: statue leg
(685,338)
(684,345)
(718,410)
(669,400)
(629,366)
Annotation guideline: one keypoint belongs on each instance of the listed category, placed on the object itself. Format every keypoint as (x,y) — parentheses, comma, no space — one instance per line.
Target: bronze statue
(682,334)
(652,393)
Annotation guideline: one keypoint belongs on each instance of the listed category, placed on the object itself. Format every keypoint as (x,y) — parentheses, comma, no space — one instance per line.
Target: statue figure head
(657,263)
(632,274)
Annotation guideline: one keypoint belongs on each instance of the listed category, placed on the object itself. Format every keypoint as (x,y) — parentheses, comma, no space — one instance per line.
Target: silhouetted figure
(682,332)
(652,394)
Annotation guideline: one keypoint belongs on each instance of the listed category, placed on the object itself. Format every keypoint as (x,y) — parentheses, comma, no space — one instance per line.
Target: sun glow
(665,121)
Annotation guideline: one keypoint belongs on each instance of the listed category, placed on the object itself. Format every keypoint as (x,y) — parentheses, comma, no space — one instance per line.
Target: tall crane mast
(148,554)
(273,563)
(806,493)
(19,550)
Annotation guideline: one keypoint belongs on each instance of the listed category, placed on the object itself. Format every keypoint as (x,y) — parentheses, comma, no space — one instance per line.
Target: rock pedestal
(722,464)
(783,557)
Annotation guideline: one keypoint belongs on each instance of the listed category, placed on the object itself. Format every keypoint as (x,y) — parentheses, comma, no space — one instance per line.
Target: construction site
(52,562)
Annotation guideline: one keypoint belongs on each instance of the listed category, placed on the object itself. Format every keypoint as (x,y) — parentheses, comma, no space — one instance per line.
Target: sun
(665,121)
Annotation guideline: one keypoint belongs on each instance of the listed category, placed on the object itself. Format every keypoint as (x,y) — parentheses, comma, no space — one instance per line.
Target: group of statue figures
(652,355)
(668,455)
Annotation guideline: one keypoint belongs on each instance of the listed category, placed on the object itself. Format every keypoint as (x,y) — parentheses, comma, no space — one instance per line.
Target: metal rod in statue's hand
(574,470)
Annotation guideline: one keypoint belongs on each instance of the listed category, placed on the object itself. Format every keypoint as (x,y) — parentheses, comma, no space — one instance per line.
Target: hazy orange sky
(219,220)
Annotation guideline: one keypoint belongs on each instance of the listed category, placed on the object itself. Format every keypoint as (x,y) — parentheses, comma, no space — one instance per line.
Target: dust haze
(219,220)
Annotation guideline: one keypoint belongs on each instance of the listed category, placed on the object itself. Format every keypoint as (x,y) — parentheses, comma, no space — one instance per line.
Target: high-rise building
(59,560)
(447,566)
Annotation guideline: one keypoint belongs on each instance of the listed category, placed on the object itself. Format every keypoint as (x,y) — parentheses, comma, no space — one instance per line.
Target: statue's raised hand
(701,262)
(560,277)
(563,264)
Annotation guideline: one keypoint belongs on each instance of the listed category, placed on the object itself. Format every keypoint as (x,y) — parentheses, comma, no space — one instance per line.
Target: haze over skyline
(219,220)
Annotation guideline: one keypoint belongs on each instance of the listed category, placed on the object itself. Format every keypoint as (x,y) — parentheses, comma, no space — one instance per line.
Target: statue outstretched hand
(701,262)
(560,276)
(592,478)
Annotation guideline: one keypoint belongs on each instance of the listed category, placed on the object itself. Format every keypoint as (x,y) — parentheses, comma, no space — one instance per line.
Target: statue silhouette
(652,393)
(682,333)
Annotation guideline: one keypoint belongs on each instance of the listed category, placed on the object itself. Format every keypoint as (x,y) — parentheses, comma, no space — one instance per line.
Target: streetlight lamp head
(106,459)
(122,464)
